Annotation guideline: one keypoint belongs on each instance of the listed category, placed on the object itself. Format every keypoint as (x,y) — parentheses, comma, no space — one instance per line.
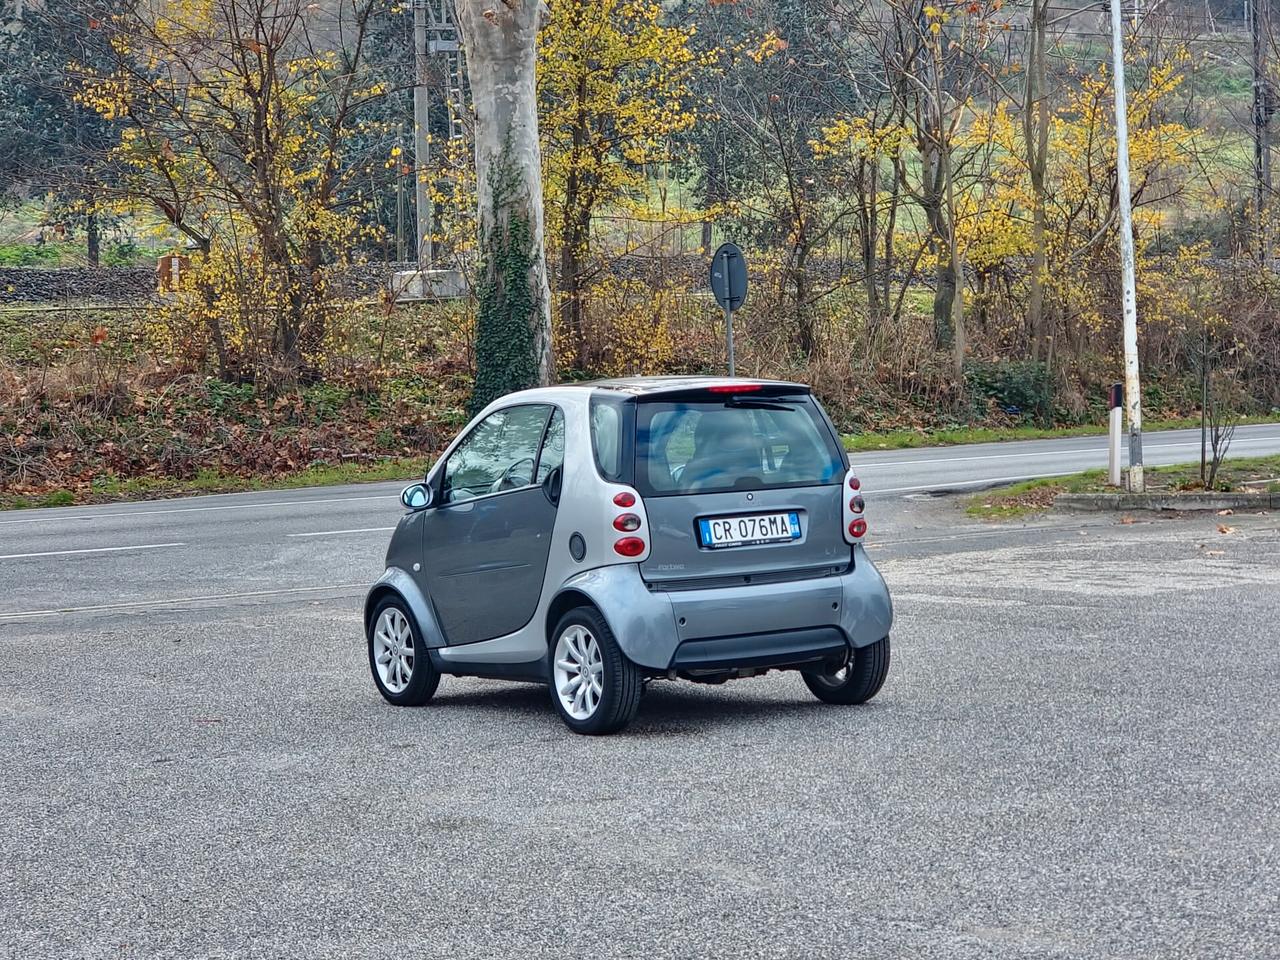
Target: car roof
(644,386)
(638,387)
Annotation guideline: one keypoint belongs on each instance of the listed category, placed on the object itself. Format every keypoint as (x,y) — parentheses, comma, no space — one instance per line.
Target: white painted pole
(1132,382)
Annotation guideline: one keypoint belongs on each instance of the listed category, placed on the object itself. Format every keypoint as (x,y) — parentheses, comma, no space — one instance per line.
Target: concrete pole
(421,139)
(1132,381)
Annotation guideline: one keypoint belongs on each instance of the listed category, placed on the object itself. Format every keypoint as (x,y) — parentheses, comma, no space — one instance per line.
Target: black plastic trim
(788,648)
(531,671)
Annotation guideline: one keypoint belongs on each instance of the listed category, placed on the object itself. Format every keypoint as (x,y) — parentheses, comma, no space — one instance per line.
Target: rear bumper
(772,624)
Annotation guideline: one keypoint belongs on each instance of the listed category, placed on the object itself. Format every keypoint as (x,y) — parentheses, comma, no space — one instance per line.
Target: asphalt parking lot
(1075,756)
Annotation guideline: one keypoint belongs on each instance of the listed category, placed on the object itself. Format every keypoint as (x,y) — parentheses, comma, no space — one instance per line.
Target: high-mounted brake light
(629,546)
(735,388)
(625,499)
(627,522)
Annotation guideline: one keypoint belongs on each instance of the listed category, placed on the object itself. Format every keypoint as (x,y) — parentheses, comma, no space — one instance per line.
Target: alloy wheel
(578,672)
(393,650)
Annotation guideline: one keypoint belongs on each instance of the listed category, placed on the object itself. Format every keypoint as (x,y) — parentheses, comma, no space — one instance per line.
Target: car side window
(552,453)
(499,454)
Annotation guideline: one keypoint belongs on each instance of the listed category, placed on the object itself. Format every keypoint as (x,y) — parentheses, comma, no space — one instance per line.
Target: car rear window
(735,444)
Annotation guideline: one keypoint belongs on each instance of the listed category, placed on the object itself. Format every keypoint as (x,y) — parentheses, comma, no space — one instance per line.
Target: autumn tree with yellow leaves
(238,122)
(615,86)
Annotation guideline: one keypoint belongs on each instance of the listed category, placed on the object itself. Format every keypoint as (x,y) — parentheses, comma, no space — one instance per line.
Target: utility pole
(1260,28)
(1132,381)
(425,249)
(401,252)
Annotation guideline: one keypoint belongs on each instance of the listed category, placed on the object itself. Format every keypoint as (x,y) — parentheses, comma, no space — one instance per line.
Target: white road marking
(233,506)
(166,601)
(64,553)
(335,533)
(1194,444)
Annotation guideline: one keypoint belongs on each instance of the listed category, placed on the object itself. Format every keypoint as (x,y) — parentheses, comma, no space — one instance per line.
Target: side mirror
(416,496)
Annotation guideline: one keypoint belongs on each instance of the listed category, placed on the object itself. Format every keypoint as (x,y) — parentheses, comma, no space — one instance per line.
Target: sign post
(729,287)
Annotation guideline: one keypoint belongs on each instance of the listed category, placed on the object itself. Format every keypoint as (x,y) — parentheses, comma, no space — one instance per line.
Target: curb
(1156,501)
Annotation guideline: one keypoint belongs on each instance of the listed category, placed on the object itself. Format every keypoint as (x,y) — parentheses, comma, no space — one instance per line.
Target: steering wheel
(511,480)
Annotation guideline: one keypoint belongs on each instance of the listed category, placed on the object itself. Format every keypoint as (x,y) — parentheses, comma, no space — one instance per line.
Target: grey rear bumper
(786,623)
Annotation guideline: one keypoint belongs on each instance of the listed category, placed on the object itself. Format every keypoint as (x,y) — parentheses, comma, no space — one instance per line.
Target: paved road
(1073,758)
(987,464)
(329,541)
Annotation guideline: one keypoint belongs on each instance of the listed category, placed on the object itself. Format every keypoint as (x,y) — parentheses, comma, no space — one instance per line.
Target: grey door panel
(484,561)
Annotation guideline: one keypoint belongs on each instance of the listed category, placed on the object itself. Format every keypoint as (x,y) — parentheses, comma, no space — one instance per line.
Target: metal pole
(1132,381)
(728,314)
(421,142)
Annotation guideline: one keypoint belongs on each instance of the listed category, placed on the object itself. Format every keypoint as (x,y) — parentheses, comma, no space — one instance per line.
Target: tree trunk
(93,240)
(513,331)
(574,236)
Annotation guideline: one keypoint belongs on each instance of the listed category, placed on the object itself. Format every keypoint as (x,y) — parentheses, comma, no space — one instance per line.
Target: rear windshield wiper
(757,405)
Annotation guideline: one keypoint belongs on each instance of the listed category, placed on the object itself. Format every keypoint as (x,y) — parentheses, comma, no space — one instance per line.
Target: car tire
(396,648)
(857,681)
(583,646)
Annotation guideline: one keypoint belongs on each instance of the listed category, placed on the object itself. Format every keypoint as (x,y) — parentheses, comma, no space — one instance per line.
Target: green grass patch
(1031,497)
(906,439)
(109,489)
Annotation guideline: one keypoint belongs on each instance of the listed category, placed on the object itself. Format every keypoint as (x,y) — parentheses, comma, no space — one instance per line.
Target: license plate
(751,529)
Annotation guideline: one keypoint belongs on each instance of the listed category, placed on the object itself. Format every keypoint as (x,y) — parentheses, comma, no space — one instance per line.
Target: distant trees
(50,142)
(237,120)
(615,89)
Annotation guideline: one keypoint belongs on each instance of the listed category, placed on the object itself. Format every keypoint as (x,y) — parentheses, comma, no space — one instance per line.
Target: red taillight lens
(626,523)
(734,388)
(625,499)
(857,504)
(858,528)
(629,546)
(855,483)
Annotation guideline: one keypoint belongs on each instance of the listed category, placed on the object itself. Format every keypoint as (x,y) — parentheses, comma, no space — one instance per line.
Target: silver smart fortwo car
(600,536)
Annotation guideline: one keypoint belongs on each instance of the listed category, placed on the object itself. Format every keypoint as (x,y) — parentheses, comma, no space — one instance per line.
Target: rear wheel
(595,688)
(857,681)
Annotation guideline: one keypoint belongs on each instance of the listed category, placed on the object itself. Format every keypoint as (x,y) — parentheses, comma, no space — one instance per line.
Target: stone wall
(76,284)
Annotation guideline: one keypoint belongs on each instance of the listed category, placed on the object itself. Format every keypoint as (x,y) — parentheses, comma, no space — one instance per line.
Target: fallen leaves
(1223,528)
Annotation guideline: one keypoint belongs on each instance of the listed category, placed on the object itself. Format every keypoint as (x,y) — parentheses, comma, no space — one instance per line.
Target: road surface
(1073,757)
(329,541)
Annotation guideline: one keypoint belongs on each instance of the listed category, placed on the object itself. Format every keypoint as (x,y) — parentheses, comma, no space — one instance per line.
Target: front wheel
(595,688)
(857,681)
(398,659)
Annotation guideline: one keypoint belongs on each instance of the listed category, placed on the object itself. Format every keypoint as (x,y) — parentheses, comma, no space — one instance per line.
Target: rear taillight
(629,547)
(629,518)
(855,525)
